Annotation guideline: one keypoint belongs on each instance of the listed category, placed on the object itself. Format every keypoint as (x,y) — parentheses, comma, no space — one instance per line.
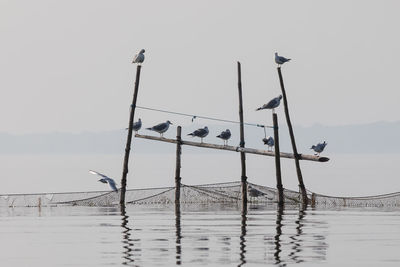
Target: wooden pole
(234,148)
(277,161)
(129,138)
(296,155)
(242,143)
(178,165)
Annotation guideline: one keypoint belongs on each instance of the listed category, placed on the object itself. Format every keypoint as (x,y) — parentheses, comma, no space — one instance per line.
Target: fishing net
(207,193)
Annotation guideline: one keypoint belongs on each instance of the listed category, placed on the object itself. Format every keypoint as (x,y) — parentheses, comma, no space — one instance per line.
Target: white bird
(137,125)
(202,132)
(319,148)
(139,58)
(269,141)
(280,60)
(225,135)
(105,179)
(272,104)
(160,128)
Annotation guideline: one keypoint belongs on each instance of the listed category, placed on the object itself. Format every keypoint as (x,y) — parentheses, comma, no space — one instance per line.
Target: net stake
(129,138)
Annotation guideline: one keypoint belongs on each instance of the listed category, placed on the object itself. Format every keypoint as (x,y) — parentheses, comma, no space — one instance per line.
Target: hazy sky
(66,65)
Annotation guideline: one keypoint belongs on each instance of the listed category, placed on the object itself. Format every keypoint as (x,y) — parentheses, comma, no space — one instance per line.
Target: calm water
(198,235)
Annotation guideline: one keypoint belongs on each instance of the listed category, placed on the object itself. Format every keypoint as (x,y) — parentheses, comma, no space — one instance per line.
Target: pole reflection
(243,236)
(126,240)
(178,233)
(279,216)
(296,239)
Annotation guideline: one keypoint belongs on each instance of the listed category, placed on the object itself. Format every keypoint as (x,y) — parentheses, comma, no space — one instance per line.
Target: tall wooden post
(296,155)
(178,165)
(242,143)
(129,138)
(277,160)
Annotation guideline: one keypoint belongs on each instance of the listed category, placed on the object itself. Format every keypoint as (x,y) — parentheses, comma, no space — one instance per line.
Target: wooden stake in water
(279,185)
(129,138)
(178,165)
(296,155)
(242,154)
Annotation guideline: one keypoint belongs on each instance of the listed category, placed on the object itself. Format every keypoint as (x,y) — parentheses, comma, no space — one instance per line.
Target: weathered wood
(296,155)
(279,185)
(234,148)
(178,165)
(242,143)
(129,138)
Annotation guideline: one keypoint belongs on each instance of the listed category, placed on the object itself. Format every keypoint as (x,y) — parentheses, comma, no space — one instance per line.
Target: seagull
(202,132)
(105,180)
(160,128)
(272,104)
(225,135)
(137,125)
(319,148)
(139,58)
(280,60)
(269,141)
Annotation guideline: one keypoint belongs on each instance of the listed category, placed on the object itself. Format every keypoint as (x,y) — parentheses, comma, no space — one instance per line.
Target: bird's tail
(191,134)
(219,136)
(149,129)
(258,109)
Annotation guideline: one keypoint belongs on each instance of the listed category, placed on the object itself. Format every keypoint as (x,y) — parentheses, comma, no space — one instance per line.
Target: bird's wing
(112,184)
(159,126)
(97,173)
(270,104)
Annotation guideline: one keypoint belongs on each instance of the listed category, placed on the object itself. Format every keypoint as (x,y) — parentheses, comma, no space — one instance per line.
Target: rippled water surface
(199,235)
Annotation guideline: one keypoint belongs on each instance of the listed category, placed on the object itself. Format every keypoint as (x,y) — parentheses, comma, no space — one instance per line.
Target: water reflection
(243,237)
(178,234)
(279,215)
(126,239)
(296,239)
(294,236)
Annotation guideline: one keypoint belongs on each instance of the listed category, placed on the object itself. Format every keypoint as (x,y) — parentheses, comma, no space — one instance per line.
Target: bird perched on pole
(269,141)
(202,132)
(319,148)
(105,179)
(137,125)
(272,104)
(160,128)
(225,135)
(280,60)
(139,58)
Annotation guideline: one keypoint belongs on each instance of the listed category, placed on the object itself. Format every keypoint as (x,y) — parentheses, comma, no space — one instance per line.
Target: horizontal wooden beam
(234,148)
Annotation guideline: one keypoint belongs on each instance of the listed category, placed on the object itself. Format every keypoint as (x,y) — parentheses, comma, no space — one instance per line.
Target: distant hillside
(380,137)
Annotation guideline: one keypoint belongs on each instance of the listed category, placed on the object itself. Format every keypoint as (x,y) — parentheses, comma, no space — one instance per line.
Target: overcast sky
(66,65)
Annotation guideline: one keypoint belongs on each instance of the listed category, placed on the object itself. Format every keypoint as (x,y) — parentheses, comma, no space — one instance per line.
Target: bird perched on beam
(225,135)
(160,128)
(269,141)
(139,58)
(280,60)
(202,132)
(272,104)
(319,148)
(105,179)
